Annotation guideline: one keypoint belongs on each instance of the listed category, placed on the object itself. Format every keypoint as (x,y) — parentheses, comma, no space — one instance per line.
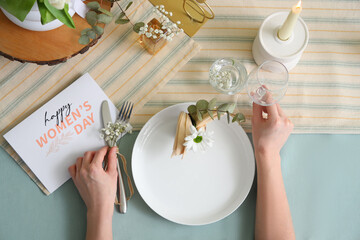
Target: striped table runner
(123,69)
(324,88)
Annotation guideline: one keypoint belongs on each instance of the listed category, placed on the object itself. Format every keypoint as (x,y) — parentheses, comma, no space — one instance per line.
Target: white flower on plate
(59,4)
(198,140)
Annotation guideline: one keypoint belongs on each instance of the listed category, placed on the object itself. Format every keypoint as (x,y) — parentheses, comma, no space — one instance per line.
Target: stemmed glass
(267,83)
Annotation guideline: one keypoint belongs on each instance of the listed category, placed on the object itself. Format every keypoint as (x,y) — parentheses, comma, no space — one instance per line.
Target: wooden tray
(49,47)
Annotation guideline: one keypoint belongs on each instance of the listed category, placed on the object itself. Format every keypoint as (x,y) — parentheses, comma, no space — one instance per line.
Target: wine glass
(227,75)
(267,83)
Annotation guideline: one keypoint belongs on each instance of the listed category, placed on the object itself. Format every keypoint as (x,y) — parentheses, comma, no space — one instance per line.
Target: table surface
(321,175)
(321,172)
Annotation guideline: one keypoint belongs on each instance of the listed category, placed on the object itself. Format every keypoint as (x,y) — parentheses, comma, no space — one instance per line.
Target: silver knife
(106,117)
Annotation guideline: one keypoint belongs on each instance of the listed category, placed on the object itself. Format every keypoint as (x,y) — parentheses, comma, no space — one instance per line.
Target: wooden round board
(49,47)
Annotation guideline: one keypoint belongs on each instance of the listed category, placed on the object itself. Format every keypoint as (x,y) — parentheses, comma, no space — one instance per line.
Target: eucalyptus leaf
(231,107)
(84,40)
(105,12)
(228,116)
(240,117)
(234,119)
(223,107)
(137,27)
(122,21)
(127,7)
(199,115)
(103,18)
(98,30)
(219,115)
(212,104)
(91,34)
(91,18)
(121,15)
(83,32)
(211,114)
(202,104)
(19,8)
(62,15)
(192,109)
(93,5)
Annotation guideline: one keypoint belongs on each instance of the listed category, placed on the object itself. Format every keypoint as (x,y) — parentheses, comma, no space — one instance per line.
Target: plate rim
(137,142)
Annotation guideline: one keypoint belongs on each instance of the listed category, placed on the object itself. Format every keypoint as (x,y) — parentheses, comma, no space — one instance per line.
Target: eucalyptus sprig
(96,15)
(99,15)
(203,107)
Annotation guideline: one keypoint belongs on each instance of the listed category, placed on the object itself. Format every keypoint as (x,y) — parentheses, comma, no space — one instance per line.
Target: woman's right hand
(269,134)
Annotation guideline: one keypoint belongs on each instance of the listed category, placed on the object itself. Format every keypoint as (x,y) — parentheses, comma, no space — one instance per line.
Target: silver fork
(125,111)
(124,116)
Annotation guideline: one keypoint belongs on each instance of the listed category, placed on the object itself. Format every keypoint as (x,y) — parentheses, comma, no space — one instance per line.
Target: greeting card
(67,126)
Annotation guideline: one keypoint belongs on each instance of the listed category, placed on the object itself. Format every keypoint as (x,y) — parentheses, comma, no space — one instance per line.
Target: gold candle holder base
(201,13)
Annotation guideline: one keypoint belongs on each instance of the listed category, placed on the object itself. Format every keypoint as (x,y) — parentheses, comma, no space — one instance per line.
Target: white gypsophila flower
(170,29)
(128,128)
(113,130)
(198,140)
(59,4)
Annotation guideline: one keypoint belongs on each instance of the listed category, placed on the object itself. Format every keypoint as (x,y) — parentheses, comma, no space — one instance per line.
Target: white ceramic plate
(201,188)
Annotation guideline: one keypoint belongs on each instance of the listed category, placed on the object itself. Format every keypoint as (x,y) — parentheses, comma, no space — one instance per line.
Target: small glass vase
(154,43)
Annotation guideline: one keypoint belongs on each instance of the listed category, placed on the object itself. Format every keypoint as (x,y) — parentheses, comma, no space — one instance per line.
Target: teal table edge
(321,176)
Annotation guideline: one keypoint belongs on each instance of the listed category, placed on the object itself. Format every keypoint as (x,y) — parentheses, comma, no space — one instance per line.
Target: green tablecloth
(321,174)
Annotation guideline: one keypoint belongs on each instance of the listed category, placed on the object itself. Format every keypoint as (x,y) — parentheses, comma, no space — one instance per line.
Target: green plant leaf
(192,111)
(103,18)
(84,40)
(211,114)
(83,32)
(127,7)
(91,18)
(66,11)
(219,115)
(91,34)
(231,107)
(240,117)
(228,116)
(212,104)
(93,5)
(121,15)
(233,119)
(62,15)
(122,21)
(19,8)
(199,115)
(223,107)
(202,104)
(98,30)
(105,12)
(45,14)
(137,26)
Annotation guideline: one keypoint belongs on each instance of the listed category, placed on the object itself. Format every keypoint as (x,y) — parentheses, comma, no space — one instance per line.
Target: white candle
(287,28)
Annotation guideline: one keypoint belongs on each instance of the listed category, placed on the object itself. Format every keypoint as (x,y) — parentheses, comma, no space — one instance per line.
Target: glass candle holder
(228,75)
(152,40)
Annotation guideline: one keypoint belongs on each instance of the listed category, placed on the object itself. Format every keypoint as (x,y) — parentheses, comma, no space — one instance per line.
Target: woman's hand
(271,133)
(96,186)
